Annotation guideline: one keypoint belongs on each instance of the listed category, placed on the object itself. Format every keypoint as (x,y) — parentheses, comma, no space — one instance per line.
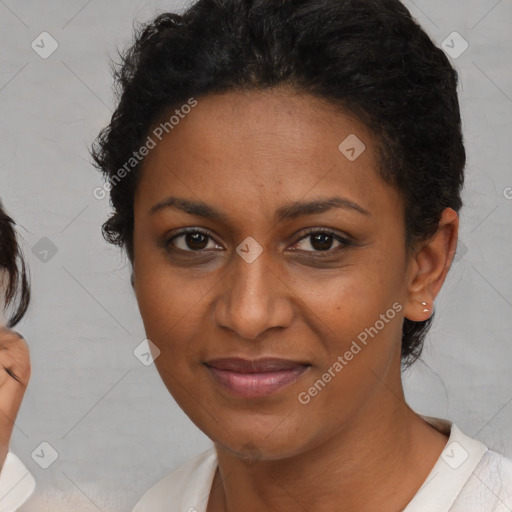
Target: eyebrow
(286,212)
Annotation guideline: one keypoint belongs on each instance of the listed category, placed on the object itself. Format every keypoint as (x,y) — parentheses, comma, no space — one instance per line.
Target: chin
(254,446)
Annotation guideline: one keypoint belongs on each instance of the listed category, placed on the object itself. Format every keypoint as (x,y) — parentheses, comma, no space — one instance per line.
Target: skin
(356,445)
(14,377)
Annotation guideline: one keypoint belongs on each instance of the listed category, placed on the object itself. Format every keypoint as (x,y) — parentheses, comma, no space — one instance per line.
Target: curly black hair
(14,278)
(370,58)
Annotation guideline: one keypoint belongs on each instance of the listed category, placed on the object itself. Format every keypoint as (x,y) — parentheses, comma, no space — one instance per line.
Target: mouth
(255,378)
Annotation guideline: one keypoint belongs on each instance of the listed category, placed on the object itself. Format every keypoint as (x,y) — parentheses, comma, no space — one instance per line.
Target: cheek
(360,307)
(168,315)
(350,298)
(362,312)
(172,308)
(165,295)
(165,305)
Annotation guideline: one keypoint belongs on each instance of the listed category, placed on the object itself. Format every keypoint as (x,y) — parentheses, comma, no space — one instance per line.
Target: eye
(315,241)
(193,240)
(322,241)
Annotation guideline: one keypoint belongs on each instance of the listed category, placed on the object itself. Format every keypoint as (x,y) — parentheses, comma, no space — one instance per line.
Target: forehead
(259,148)
(277,123)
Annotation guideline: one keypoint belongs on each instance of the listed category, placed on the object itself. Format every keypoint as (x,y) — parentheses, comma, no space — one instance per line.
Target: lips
(255,378)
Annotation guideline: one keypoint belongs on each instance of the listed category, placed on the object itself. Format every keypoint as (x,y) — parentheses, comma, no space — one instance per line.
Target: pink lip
(255,378)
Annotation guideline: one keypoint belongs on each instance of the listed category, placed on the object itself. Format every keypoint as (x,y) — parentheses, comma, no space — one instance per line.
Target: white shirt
(16,484)
(467,477)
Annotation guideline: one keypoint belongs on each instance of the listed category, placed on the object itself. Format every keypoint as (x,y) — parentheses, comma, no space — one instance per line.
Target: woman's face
(278,316)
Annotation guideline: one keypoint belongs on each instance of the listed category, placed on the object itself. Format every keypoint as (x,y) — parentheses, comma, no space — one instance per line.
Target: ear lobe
(430,266)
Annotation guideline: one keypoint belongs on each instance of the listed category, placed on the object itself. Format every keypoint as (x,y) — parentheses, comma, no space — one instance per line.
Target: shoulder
(467,477)
(489,487)
(186,488)
(494,464)
(16,483)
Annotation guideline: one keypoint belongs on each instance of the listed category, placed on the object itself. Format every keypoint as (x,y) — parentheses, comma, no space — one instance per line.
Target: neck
(377,462)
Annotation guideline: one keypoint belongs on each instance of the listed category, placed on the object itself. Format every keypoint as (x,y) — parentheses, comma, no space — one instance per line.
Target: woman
(16,482)
(286,179)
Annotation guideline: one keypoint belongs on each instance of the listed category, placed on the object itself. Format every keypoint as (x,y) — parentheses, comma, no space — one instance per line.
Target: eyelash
(344,242)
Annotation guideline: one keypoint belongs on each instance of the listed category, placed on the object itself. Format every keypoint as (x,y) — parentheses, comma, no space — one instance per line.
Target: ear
(429,266)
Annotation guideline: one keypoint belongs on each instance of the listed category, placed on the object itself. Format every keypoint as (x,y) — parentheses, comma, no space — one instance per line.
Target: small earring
(425,307)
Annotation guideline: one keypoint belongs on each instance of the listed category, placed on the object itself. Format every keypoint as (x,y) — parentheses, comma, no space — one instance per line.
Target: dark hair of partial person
(13,271)
(368,58)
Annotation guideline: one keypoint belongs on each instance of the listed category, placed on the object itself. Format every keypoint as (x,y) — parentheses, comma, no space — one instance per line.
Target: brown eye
(196,241)
(193,240)
(321,241)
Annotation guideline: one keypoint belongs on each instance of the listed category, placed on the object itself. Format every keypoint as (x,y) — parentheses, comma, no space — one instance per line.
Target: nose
(253,299)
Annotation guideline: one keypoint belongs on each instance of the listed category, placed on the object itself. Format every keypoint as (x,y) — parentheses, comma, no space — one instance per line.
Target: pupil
(322,241)
(195,240)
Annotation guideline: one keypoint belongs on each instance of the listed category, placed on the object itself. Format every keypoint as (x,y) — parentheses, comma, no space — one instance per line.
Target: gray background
(113,424)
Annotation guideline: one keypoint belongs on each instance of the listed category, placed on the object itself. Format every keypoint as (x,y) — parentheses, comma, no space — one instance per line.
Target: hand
(14,377)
